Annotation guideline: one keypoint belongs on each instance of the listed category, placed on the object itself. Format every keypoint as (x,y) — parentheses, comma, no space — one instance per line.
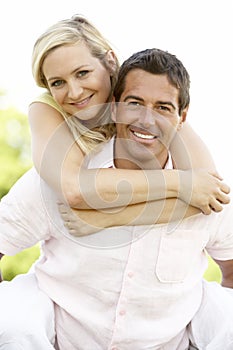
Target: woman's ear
(111,60)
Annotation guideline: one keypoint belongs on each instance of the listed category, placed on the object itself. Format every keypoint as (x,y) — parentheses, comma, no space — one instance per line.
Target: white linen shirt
(127,288)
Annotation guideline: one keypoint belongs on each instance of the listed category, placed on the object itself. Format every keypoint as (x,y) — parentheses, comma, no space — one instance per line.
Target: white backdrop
(199,32)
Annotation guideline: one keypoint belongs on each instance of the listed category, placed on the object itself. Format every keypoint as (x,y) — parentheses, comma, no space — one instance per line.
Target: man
(131,287)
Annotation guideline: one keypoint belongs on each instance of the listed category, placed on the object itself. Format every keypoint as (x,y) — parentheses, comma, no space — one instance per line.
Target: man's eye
(134,106)
(164,108)
(134,103)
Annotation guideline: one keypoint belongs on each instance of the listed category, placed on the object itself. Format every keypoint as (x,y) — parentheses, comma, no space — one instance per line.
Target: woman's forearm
(155,212)
(85,222)
(110,188)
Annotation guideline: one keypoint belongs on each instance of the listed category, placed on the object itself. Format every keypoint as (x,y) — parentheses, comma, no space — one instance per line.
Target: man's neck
(124,162)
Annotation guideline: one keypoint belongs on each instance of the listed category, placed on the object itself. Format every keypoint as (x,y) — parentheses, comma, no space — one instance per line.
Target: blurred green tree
(15,151)
(15,160)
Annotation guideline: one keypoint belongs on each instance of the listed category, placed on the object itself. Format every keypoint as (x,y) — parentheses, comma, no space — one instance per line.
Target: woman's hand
(204,190)
(84,222)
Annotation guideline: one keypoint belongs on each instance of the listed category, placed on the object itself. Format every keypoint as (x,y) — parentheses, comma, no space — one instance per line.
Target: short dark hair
(157,61)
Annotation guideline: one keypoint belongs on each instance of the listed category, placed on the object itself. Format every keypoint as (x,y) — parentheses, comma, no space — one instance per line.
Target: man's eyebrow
(132,97)
(138,98)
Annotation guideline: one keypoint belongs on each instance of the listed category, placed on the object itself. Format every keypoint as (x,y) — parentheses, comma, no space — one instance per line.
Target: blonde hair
(68,32)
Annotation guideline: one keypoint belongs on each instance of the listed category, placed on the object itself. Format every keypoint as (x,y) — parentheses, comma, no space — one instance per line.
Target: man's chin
(144,159)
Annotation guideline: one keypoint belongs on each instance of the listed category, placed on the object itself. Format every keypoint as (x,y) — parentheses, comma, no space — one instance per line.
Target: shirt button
(122,312)
(130,274)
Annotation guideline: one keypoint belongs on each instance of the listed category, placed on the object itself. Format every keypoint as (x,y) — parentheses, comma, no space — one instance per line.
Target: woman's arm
(59,161)
(54,149)
(85,222)
(190,152)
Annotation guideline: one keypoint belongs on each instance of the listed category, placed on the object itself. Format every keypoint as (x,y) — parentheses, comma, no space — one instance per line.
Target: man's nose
(146,117)
(75,90)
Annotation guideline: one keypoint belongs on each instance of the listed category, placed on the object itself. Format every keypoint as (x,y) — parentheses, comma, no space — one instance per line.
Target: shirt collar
(103,157)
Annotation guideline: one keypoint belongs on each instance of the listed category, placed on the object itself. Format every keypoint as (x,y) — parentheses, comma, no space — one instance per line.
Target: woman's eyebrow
(73,71)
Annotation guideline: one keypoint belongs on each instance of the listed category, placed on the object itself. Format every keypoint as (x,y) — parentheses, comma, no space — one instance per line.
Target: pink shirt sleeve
(220,246)
(23,220)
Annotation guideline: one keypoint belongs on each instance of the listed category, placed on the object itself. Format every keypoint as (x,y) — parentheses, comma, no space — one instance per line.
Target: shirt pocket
(178,252)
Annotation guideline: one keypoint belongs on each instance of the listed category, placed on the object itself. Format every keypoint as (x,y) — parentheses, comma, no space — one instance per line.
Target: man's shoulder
(25,187)
(215,223)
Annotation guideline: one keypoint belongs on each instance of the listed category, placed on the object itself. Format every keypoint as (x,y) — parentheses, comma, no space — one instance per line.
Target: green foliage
(15,159)
(19,263)
(15,156)
(213,273)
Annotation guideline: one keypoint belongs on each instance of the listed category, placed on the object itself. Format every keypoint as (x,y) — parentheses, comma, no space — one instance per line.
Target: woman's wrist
(172,183)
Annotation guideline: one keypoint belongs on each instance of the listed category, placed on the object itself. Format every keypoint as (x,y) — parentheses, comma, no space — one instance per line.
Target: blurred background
(197,32)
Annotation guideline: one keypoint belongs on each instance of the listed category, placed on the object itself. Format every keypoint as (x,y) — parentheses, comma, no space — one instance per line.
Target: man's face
(147,118)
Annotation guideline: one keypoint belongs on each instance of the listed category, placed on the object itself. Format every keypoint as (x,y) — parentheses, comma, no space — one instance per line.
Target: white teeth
(143,136)
(82,102)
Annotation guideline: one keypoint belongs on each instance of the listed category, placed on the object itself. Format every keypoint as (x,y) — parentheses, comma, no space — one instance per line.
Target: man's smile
(142,134)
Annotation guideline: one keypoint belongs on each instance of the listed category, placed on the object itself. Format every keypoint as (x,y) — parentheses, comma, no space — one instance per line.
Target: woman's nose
(75,90)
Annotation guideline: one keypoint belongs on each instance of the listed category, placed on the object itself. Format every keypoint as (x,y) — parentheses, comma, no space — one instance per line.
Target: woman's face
(77,80)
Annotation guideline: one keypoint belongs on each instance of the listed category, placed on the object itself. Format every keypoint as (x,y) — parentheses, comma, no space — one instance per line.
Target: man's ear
(113,109)
(183,117)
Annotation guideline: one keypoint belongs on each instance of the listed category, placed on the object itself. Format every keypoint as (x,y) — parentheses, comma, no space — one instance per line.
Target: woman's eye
(82,73)
(57,83)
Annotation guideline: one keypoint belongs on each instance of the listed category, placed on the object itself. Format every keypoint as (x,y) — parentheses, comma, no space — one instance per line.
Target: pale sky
(199,32)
